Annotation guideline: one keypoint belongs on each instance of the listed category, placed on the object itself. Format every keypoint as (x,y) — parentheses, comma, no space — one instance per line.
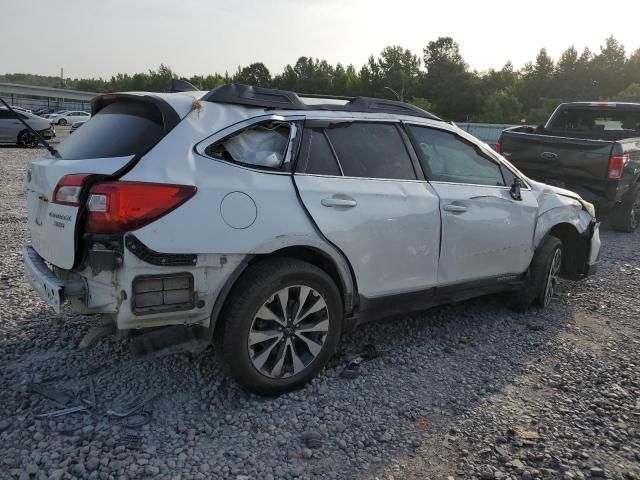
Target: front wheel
(282,324)
(27,139)
(62,122)
(544,274)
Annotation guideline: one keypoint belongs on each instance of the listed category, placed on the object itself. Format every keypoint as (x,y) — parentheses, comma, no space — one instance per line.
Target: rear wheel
(544,275)
(282,324)
(62,122)
(27,139)
(626,217)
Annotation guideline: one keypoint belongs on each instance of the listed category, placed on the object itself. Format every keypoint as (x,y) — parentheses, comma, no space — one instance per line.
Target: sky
(98,38)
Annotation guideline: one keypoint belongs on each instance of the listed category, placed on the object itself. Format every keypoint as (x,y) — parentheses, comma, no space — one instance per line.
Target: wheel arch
(575,248)
(331,262)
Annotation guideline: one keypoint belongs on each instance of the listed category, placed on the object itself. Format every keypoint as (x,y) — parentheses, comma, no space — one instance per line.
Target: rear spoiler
(170,117)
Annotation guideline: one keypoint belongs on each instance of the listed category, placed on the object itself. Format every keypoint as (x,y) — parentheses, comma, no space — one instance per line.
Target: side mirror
(515,189)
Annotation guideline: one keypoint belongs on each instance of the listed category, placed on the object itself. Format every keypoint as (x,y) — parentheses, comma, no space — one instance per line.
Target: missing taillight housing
(122,206)
(69,189)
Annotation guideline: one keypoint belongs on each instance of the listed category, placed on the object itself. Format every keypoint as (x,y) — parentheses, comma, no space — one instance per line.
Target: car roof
(268,98)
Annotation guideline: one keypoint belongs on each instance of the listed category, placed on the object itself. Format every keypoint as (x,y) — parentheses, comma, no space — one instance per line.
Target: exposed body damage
(181,232)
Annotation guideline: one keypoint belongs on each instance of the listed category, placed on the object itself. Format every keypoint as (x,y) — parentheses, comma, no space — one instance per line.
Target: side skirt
(379,307)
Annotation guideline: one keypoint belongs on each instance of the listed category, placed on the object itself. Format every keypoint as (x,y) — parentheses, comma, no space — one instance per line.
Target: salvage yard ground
(466,391)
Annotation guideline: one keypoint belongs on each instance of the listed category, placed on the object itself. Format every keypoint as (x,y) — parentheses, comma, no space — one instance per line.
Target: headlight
(591,210)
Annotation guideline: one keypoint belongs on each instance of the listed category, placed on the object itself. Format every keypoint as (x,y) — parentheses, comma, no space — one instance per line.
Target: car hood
(544,188)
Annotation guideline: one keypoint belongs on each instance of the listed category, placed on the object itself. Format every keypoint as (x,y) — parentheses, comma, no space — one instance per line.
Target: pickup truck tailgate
(545,157)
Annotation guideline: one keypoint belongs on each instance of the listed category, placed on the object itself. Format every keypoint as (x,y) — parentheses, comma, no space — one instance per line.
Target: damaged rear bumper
(140,289)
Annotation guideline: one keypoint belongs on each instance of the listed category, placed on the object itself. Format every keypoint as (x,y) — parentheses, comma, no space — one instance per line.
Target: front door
(486,234)
(358,182)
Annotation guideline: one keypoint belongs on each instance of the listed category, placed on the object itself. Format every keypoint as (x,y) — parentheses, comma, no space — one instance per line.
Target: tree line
(438,80)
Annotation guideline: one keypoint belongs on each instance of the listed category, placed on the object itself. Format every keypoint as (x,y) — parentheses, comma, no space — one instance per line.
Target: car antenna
(52,150)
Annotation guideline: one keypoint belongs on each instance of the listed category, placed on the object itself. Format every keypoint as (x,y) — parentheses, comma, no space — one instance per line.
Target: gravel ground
(459,392)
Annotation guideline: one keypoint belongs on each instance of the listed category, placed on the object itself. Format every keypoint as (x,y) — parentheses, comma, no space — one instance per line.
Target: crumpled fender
(555,206)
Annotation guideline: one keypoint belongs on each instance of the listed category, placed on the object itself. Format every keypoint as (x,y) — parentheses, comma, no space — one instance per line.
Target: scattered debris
(312,439)
(131,407)
(137,420)
(59,396)
(65,411)
(132,440)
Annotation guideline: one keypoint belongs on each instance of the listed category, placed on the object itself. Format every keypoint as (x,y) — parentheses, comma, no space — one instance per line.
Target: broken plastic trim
(145,254)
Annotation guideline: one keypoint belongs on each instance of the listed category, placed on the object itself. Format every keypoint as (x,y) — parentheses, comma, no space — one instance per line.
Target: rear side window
(262,145)
(371,150)
(120,129)
(448,158)
(316,156)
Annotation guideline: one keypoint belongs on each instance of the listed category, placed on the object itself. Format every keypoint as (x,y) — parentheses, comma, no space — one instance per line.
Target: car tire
(62,122)
(626,217)
(265,351)
(26,139)
(543,276)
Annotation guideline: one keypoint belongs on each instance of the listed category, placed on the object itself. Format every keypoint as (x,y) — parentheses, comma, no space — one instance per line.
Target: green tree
(608,69)
(256,74)
(501,106)
(629,94)
(453,90)
(399,71)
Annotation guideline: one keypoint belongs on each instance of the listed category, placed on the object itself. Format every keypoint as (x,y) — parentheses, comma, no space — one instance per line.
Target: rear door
(359,183)
(119,132)
(486,234)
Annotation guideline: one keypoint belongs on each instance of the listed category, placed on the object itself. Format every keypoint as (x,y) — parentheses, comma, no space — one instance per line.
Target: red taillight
(499,146)
(69,187)
(118,207)
(616,164)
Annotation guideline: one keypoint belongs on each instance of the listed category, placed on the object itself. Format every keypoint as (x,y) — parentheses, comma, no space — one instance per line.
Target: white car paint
(396,238)
(69,117)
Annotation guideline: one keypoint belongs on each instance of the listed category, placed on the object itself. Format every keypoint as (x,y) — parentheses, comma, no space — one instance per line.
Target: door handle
(338,202)
(451,207)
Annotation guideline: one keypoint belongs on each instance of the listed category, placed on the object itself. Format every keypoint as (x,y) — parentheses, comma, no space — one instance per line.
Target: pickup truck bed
(600,164)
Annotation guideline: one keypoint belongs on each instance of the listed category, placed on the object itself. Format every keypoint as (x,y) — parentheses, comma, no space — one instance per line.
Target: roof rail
(269,98)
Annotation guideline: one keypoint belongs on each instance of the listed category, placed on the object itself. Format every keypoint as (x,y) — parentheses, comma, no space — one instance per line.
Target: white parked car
(68,118)
(278,222)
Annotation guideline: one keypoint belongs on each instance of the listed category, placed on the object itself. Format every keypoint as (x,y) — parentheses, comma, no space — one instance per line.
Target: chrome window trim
(364,178)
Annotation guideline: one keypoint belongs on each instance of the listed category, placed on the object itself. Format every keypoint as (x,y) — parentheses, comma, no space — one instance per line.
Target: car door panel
(489,235)
(389,230)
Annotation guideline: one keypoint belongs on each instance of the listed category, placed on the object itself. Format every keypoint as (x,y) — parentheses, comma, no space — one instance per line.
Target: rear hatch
(123,128)
(559,160)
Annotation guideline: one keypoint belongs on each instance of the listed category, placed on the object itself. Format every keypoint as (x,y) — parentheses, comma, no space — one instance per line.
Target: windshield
(118,130)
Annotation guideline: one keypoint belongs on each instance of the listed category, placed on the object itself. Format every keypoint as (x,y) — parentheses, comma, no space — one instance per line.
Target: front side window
(261,145)
(371,150)
(448,158)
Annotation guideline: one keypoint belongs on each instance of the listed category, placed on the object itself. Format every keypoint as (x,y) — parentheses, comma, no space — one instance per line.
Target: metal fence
(34,104)
(487,132)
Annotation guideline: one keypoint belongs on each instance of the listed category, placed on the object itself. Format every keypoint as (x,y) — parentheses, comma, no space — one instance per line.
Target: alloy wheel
(29,140)
(552,277)
(288,331)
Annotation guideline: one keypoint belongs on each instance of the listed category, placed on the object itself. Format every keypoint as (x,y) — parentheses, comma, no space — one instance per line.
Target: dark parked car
(592,148)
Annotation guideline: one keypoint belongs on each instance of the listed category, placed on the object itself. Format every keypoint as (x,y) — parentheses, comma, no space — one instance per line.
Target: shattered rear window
(263,145)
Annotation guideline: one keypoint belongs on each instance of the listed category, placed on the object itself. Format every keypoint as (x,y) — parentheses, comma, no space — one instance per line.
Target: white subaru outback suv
(275,222)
